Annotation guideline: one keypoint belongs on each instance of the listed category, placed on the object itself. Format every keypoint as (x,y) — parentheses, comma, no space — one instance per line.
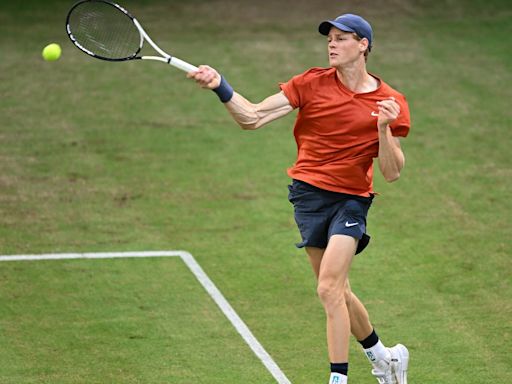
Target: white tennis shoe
(394,371)
(399,362)
(383,372)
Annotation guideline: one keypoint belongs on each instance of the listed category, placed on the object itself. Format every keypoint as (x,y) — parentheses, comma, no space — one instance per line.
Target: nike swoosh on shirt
(347,224)
(374,113)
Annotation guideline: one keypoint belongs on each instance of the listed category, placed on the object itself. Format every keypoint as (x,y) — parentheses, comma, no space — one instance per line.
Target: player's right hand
(206,77)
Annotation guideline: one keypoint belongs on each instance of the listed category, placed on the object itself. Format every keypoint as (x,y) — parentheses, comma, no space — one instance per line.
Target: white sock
(338,378)
(377,353)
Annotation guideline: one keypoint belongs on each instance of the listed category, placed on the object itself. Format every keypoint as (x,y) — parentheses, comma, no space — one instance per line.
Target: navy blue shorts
(320,214)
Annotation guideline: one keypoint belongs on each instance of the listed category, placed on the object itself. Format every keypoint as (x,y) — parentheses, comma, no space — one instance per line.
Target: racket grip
(183,65)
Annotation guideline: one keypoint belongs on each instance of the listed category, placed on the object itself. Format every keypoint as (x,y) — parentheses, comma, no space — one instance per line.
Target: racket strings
(104,30)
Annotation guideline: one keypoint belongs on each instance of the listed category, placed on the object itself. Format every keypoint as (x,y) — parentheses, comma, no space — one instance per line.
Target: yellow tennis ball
(52,52)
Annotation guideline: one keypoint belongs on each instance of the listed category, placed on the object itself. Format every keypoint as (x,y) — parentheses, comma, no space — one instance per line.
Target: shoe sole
(402,363)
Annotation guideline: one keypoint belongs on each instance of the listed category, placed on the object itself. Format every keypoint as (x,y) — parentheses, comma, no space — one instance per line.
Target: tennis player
(346,118)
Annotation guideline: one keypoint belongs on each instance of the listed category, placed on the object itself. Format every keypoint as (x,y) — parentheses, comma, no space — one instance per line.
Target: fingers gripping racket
(107,31)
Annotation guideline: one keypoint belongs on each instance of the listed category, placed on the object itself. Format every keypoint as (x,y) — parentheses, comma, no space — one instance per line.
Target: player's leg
(389,364)
(332,279)
(360,325)
(332,276)
(315,258)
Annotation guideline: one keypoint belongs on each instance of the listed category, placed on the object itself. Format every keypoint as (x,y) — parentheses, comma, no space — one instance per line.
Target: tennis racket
(107,31)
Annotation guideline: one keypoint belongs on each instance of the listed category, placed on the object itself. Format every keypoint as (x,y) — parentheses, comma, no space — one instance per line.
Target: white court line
(200,275)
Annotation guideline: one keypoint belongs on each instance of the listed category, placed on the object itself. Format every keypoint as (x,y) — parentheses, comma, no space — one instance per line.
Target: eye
(337,38)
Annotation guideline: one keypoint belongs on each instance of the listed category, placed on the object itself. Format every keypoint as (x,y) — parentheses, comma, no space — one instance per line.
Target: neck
(355,77)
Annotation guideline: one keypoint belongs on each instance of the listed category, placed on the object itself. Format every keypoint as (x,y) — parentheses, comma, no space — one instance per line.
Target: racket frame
(165,57)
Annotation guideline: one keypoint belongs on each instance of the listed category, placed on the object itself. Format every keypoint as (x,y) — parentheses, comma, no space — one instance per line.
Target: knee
(331,294)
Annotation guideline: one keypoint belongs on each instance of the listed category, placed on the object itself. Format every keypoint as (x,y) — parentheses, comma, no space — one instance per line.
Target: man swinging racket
(346,118)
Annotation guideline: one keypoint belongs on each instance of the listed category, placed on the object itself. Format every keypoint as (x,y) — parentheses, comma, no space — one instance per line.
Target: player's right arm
(252,116)
(248,115)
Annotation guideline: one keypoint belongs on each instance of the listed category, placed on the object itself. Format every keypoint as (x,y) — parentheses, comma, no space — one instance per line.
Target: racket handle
(183,65)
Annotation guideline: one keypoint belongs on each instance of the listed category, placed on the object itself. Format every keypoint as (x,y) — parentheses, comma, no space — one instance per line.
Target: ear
(364,43)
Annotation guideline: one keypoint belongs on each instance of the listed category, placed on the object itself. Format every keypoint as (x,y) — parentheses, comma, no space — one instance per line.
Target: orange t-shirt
(336,131)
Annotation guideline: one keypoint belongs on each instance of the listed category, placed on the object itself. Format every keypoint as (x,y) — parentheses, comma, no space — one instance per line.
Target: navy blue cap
(349,23)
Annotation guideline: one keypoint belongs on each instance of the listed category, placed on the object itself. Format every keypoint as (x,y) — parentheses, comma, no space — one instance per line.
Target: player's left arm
(391,156)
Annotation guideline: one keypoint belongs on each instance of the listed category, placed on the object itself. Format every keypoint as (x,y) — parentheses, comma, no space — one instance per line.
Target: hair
(367,52)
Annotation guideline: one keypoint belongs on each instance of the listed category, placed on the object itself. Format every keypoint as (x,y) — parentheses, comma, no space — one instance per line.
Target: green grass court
(103,157)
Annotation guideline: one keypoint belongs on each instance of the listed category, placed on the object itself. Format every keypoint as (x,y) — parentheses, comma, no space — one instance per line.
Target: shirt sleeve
(291,91)
(402,125)
(298,87)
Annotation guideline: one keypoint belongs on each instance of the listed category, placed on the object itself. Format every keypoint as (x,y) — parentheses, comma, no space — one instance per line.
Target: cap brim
(326,26)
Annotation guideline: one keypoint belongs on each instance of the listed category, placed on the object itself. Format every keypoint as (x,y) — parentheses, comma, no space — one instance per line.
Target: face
(343,48)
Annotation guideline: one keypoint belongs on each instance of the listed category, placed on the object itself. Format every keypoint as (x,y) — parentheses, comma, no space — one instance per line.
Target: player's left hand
(389,110)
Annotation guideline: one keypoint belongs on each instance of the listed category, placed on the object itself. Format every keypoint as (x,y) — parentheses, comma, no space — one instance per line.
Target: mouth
(332,55)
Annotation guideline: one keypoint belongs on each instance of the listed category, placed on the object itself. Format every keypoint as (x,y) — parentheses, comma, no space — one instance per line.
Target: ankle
(374,349)
(339,372)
